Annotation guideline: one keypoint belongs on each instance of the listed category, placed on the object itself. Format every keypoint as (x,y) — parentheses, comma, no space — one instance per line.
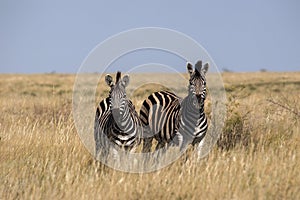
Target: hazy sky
(43,36)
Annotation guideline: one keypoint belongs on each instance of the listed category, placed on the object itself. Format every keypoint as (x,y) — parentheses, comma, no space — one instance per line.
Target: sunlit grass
(42,156)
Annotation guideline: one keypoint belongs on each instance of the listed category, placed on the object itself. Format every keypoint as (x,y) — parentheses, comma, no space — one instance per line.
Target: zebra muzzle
(116,114)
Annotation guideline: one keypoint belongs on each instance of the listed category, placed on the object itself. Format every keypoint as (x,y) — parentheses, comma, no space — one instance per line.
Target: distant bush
(263,70)
(235,131)
(226,70)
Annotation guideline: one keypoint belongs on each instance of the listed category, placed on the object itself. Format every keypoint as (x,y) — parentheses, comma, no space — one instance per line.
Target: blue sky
(44,36)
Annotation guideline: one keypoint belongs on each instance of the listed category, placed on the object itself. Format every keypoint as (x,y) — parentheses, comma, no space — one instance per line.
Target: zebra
(173,120)
(193,122)
(116,120)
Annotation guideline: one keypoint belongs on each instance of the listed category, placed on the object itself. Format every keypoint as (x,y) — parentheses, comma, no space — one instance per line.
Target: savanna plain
(256,156)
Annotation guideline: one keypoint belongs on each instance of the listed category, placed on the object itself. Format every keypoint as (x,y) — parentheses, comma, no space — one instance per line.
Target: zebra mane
(118,76)
(198,67)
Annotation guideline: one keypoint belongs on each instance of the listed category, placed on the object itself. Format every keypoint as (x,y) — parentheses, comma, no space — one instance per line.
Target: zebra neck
(190,105)
(190,118)
(125,120)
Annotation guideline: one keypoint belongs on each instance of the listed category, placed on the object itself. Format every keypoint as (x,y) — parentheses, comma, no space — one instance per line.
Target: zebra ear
(189,67)
(205,68)
(109,80)
(125,80)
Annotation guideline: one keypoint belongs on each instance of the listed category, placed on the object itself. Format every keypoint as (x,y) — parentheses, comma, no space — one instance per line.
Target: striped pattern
(193,122)
(159,116)
(169,119)
(116,121)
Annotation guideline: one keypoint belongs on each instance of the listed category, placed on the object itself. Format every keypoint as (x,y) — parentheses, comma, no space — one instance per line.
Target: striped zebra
(171,120)
(117,123)
(193,122)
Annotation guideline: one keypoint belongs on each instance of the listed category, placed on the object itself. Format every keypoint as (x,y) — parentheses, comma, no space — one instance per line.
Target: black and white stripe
(159,116)
(116,121)
(193,122)
(169,119)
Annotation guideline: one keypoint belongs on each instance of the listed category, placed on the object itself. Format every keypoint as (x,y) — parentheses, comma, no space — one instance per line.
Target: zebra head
(197,83)
(117,95)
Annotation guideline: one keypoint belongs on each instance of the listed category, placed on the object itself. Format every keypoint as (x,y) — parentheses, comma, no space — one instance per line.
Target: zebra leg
(160,150)
(177,140)
(114,157)
(147,144)
(198,139)
(97,149)
(186,140)
(103,154)
(160,146)
(147,139)
(100,150)
(198,145)
(148,155)
(184,147)
(103,148)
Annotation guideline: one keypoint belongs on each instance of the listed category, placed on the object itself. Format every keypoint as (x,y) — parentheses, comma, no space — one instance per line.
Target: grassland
(257,156)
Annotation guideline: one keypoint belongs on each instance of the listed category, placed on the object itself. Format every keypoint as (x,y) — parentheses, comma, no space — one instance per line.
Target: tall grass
(42,156)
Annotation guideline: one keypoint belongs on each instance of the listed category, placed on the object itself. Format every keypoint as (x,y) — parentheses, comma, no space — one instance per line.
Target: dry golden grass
(42,156)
